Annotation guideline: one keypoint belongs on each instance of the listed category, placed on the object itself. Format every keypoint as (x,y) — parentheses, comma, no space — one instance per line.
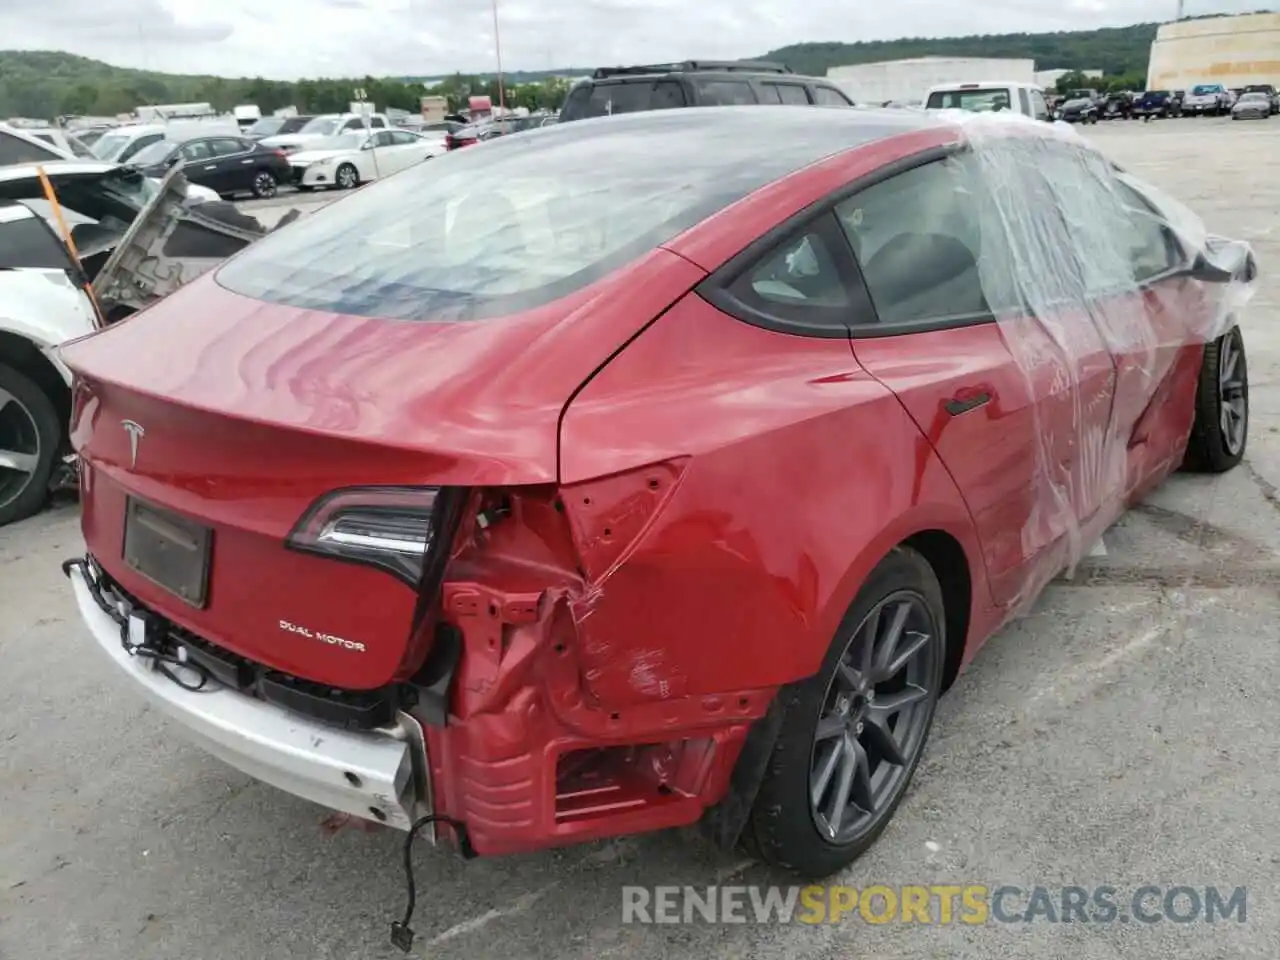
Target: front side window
(918,240)
(724,93)
(528,220)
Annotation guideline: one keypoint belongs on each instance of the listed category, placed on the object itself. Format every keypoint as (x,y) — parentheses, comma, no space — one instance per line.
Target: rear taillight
(449,142)
(280,153)
(390,528)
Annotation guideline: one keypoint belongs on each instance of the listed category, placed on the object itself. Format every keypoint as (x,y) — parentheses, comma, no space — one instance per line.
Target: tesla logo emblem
(136,433)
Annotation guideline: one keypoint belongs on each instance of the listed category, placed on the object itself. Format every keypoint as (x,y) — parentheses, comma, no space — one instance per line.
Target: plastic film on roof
(1099,283)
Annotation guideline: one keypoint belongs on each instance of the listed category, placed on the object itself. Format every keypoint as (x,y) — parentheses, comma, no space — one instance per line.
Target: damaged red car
(562,488)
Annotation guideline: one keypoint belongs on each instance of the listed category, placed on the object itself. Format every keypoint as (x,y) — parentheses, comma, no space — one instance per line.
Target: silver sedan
(1252,106)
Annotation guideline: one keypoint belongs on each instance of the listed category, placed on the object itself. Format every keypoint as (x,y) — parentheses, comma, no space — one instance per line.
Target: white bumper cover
(353,772)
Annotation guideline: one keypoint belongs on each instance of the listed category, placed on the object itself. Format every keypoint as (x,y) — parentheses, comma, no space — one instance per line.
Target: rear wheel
(264,184)
(853,734)
(1220,432)
(30,435)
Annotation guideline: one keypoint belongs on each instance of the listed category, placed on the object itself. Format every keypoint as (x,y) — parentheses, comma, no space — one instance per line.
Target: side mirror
(1206,271)
(367,145)
(172,160)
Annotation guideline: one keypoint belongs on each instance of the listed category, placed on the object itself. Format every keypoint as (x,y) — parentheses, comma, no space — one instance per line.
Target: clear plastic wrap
(1089,242)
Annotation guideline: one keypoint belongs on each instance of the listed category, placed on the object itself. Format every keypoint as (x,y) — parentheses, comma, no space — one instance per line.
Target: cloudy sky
(287,39)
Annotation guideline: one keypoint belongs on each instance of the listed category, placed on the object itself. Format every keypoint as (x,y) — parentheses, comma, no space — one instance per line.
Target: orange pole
(52,197)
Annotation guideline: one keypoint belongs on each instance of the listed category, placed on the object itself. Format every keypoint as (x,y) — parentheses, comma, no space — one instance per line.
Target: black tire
(347,177)
(265,185)
(1216,444)
(34,427)
(783,826)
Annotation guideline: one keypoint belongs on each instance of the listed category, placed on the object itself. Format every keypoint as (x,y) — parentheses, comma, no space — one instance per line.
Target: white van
(122,143)
(990,97)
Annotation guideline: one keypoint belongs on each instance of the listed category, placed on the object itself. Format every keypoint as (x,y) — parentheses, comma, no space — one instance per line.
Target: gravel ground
(1117,735)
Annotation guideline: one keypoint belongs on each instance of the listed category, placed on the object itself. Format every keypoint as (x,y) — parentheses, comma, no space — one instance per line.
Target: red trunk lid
(250,412)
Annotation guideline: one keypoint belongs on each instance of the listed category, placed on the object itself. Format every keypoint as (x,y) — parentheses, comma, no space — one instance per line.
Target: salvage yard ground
(1122,734)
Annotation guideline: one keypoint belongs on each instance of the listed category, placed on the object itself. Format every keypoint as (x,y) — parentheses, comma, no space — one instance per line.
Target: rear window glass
(1205,88)
(515,224)
(16,150)
(975,99)
(26,242)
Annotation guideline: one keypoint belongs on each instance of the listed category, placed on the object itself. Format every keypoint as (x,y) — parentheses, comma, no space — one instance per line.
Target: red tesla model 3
(641,471)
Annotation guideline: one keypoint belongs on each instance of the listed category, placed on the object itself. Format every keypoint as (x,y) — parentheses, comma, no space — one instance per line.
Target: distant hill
(48,83)
(1114,50)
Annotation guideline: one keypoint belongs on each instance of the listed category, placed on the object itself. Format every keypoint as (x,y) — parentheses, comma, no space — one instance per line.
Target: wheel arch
(942,548)
(26,357)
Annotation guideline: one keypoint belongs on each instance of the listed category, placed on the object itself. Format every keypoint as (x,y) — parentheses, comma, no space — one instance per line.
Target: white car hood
(315,156)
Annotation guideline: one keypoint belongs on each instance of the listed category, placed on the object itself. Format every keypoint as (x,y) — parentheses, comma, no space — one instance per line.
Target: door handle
(246,161)
(966,401)
(212,166)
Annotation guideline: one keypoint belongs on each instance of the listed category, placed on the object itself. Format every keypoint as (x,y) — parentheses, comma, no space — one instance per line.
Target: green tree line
(49,83)
(45,84)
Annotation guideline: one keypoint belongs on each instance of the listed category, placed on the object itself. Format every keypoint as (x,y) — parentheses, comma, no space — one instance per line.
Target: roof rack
(693,66)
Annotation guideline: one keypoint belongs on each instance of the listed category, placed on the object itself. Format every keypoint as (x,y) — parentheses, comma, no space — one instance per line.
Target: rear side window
(724,93)
(918,240)
(830,97)
(228,147)
(27,242)
(791,93)
(524,222)
(16,150)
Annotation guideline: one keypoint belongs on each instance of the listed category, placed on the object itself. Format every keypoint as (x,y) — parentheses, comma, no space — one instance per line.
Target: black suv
(695,83)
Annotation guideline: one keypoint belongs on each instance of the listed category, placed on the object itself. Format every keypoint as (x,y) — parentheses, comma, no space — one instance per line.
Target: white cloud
(288,39)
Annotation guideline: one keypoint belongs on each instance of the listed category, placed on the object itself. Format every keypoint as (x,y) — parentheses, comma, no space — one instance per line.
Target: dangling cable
(401,934)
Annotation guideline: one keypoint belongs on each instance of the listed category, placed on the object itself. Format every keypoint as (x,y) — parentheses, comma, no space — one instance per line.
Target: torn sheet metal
(169,244)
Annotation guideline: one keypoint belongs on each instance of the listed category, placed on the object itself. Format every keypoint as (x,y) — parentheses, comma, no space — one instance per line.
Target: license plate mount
(169,550)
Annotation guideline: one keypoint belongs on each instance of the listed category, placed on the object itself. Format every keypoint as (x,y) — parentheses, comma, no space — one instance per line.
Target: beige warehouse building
(1233,51)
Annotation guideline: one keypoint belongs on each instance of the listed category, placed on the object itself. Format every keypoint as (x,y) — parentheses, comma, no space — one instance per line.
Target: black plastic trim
(434,680)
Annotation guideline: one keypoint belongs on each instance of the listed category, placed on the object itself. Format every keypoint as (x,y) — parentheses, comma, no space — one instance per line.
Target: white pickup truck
(990,97)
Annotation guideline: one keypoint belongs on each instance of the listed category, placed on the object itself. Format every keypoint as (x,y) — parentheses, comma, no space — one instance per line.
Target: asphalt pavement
(1121,734)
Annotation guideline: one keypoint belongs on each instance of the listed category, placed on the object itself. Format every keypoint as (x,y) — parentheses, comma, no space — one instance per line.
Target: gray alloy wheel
(264,185)
(347,177)
(30,433)
(874,717)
